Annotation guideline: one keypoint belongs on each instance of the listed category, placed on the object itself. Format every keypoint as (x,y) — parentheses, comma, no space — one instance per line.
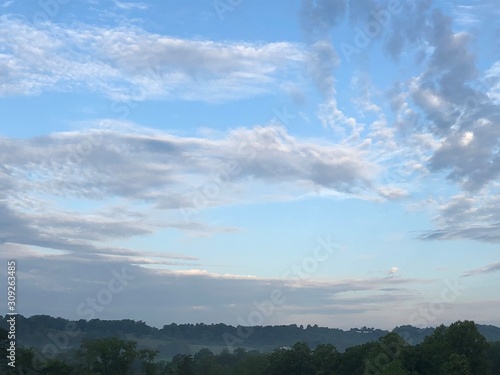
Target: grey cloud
(409,27)
(359,10)
(322,61)
(483,233)
(281,157)
(490,268)
(455,108)
(58,285)
(451,59)
(468,217)
(318,17)
(473,163)
(12,226)
(140,166)
(73,233)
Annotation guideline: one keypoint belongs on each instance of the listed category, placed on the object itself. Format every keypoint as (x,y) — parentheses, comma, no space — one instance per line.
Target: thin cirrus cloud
(63,232)
(129,63)
(490,268)
(131,5)
(468,216)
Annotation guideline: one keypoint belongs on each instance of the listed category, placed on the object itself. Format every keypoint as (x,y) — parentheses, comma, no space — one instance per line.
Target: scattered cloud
(429,137)
(490,268)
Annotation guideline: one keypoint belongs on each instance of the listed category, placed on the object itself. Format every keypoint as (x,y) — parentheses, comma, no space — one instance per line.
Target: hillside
(39,330)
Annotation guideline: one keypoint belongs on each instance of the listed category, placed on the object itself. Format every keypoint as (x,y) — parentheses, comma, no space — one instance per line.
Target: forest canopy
(459,349)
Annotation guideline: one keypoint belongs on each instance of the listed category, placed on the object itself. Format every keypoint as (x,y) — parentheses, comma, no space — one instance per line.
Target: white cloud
(392,192)
(467,138)
(163,180)
(128,63)
(130,6)
(393,270)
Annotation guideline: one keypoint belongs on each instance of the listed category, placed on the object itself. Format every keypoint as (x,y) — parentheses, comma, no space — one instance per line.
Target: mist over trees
(459,349)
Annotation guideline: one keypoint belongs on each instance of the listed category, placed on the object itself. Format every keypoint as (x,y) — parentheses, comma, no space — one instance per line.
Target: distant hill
(39,330)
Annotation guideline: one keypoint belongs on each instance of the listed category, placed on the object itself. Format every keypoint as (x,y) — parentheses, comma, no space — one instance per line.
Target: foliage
(462,339)
(459,349)
(456,365)
(109,356)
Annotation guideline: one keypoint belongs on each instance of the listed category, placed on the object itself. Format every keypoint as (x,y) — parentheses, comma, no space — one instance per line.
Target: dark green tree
(254,364)
(56,367)
(28,361)
(294,361)
(494,357)
(204,362)
(183,364)
(433,352)
(456,365)
(396,367)
(109,356)
(461,338)
(352,361)
(465,340)
(326,359)
(388,355)
(148,365)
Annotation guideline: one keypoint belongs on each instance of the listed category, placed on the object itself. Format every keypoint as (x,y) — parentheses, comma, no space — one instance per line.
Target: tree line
(39,330)
(459,349)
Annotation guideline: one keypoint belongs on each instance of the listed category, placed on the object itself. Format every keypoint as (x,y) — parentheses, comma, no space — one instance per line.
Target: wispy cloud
(490,268)
(468,216)
(129,63)
(167,172)
(131,5)
(464,15)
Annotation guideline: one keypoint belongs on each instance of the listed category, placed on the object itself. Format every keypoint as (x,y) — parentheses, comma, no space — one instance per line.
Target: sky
(330,162)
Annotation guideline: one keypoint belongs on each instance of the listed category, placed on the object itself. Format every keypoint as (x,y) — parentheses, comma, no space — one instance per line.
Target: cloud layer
(62,286)
(129,63)
(161,179)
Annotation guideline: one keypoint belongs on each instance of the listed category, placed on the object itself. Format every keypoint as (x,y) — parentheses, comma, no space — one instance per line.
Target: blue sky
(344,153)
